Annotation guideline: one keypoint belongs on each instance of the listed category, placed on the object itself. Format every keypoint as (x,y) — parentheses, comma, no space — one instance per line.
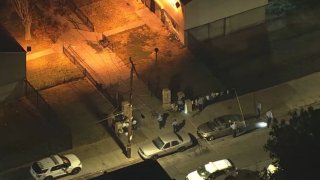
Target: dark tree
(22,9)
(295,146)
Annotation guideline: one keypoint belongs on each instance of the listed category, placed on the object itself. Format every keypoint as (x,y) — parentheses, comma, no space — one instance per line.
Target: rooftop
(8,43)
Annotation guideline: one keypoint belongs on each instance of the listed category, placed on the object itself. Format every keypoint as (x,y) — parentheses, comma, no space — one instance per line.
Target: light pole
(156,50)
(235,91)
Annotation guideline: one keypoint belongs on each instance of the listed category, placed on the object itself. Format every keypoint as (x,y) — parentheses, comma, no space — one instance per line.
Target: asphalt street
(246,151)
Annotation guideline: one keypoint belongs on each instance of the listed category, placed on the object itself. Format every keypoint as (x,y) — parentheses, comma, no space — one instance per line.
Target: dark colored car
(220,126)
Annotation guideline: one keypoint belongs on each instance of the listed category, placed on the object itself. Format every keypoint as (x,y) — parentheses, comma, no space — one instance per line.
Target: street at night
(91,88)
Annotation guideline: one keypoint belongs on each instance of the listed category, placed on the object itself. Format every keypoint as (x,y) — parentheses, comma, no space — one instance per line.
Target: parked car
(55,166)
(220,126)
(165,144)
(221,169)
(244,174)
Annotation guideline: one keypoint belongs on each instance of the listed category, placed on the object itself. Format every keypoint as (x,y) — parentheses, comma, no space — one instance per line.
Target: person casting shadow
(181,125)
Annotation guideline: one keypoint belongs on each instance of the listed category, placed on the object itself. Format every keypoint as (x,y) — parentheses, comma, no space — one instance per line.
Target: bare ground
(24,134)
(107,15)
(51,70)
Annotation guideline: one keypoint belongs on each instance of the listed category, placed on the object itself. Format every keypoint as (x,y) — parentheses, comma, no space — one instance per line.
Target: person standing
(160,121)
(200,102)
(196,103)
(180,105)
(259,109)
(175,125)
(234,129)
(269,118)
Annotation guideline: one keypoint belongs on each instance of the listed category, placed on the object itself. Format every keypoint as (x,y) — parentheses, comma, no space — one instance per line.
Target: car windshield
(222,120)
(203,172)
(37,168)
(65,160)
(212,124)
(158,142)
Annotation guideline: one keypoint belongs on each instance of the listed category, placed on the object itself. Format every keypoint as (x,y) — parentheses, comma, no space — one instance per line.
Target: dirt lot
(139,43)
(107,15)
(175,63)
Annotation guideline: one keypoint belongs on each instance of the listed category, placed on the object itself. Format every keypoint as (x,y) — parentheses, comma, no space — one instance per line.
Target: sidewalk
(281,98)
(40,54)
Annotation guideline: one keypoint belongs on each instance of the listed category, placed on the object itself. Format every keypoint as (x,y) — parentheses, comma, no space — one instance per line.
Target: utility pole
(156,50)
(239,106)
(155,76)
(133,69)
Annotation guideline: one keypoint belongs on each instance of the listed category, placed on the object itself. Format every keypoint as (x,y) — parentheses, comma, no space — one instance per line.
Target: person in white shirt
(259,109)
(234,129)
(269,117)
(175,125)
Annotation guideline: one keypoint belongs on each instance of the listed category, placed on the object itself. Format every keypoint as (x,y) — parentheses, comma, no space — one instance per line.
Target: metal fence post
(37,97)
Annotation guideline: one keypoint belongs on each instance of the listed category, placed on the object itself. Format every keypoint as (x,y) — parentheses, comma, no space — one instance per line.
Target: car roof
(47,163)
(218,165)
(173,136)
(225,118)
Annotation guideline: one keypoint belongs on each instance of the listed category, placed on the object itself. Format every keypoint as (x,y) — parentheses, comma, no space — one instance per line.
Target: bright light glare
(272,169)
(261,125)
(174,3)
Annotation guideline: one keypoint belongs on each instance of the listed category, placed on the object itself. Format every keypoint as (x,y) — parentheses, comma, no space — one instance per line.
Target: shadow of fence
(60,134)
(80,14)
(114,98)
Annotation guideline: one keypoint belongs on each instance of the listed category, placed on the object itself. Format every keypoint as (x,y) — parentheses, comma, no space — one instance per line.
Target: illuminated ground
(108,15)
(40,73)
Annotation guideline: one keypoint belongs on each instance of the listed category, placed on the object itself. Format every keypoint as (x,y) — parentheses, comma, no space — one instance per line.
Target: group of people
(269,114)
(175,124)
(121,124)
(198,102)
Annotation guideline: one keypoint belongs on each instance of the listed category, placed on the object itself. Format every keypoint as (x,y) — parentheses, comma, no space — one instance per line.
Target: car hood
(194,176)
(203,128)
(74,160)
(149,149)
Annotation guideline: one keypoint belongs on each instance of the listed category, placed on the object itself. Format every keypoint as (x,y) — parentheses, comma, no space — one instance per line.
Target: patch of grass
(50,70)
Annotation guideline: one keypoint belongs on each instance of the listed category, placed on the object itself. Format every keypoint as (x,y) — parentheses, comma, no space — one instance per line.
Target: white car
(55,166)
(213,170)
(165,144)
